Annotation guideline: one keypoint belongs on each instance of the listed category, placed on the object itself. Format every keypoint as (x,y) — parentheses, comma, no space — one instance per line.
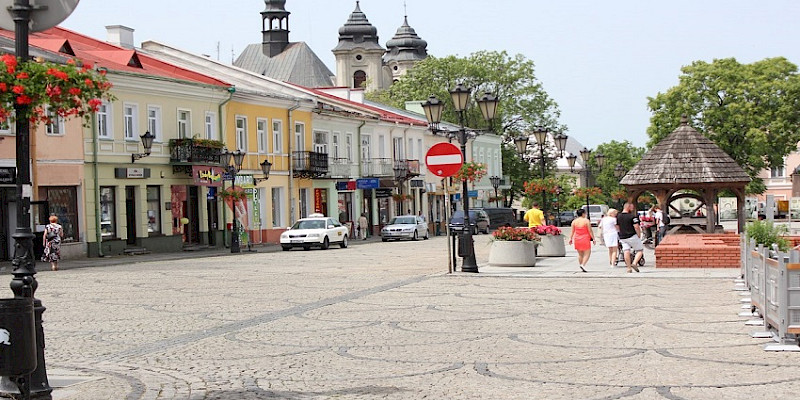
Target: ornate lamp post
(147,143)
(541,135)
(460,96)
(495,180)
(586,155)
(237,157)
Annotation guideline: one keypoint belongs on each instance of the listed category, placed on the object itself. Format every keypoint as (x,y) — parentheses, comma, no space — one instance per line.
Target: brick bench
(707,250)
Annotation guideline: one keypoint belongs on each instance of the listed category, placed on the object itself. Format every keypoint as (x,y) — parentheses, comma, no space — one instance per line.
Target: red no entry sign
(444,159)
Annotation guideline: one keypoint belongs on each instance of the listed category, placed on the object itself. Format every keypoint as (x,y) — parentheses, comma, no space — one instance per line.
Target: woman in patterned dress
(52,246)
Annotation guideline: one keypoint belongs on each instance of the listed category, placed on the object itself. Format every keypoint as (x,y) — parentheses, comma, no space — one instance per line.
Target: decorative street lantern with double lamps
(225,158)
(433,112)
(495,180)
(586,154)
(541,134)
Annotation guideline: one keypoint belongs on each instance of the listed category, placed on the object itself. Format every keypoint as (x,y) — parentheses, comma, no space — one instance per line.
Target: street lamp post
(237,157)
(433,108)
(541,135)
(619,172)
(586,154)
(495,180)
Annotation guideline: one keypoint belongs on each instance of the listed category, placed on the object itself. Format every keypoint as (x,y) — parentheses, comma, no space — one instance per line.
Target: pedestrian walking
(608,226)
(582,238)
(629,232)
(363,226)
(534,217)
(51,239)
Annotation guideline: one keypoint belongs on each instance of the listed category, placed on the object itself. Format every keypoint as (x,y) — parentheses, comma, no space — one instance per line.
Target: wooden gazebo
(687,160)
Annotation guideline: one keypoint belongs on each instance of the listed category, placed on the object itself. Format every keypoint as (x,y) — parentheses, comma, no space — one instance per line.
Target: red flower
(89,83)
(18,89)
(74,91)
(22,75)
(22,99)
(3,87)
(10,61)
(95,104)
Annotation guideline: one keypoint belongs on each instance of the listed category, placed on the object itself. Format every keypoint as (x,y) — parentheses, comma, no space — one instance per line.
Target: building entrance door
(130,214)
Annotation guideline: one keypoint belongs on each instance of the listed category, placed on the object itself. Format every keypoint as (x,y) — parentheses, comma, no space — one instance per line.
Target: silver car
(405,227)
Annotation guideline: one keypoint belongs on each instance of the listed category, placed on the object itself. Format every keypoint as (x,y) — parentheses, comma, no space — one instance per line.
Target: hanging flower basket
(591,191)
(537,186)
(401,197)
(65,90)
(471,172)
(230,194)
(620,194)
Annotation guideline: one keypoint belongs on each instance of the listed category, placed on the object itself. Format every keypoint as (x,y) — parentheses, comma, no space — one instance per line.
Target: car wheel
(325,243)
(384,239)
(414,238)
(344,242)
(306,247)
(475,231)
(286,248)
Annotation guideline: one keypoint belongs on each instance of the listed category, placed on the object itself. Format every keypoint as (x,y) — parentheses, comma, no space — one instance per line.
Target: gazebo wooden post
(740,217)
(709,197)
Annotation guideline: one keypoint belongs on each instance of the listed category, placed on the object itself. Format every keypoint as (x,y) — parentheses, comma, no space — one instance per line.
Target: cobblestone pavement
(385,320)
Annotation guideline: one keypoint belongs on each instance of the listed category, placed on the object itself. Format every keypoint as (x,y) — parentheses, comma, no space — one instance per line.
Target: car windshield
(459,215)
(403,220)
(309,224)
(595,209)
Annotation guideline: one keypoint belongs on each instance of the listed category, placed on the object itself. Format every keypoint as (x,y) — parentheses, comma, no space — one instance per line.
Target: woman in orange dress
(582,238)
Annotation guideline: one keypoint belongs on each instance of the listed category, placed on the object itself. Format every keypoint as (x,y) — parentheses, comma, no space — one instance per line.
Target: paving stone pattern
(385,321)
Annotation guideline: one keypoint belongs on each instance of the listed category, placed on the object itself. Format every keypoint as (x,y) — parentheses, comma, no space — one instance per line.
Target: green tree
(749,110)
(616,153)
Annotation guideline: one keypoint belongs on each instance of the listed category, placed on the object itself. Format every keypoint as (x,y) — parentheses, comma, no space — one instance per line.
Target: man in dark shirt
(629,233)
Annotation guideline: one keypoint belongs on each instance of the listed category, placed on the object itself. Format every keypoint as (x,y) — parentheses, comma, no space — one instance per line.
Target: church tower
(404,50)
(359,56)
(274,27)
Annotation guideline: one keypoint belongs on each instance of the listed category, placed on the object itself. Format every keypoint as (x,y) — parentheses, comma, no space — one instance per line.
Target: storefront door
(130,214)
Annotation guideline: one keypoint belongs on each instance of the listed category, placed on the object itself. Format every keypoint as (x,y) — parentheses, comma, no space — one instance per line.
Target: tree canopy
(752,111)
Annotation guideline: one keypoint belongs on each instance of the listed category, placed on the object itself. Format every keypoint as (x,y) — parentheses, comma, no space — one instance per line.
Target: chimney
(120,35)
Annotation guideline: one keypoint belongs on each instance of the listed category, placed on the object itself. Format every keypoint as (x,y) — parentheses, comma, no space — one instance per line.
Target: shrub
(766,233)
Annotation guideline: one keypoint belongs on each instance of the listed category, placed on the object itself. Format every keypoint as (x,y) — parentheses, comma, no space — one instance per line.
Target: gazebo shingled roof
(686,159)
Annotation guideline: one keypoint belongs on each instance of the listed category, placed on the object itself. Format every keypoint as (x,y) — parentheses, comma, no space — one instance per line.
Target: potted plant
(513,247)
(552,241)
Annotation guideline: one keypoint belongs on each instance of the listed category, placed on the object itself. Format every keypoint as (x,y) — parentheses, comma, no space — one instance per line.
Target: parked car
(500,216)
(405,227)
(596,212)
(478,222)
(565,218)
(315,231)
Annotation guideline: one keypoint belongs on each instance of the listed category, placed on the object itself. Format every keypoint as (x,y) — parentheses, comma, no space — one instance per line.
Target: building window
(359,78)
(6,128)
(335,145)
(410,149)
(63,203)
(211,126)
(300,136)
(348,147)
(129,121)
(321,142)
(777,172)
(104,120)
(261,135)
(241,134)
(184,124)
(277,207)
(277,136)
(108,225)
(56,125)
(154,210)
(154,122)
(304,203)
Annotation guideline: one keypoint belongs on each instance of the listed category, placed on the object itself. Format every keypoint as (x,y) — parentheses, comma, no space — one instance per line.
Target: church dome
(358,32)
(275,5)
(406,45)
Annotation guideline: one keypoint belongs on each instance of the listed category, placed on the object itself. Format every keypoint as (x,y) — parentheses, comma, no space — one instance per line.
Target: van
(478,222)
(500,216)
(596,212)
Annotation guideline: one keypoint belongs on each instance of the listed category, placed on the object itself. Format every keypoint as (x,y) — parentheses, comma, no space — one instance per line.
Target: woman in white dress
(608,225)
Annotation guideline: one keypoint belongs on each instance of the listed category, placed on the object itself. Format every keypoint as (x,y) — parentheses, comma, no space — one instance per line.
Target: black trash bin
(465,245)
(17,337)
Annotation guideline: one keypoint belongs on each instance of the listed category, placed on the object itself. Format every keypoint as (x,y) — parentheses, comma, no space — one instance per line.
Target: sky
(599,60)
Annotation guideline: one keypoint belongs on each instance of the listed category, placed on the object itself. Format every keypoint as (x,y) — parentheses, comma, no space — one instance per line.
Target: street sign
(444,159)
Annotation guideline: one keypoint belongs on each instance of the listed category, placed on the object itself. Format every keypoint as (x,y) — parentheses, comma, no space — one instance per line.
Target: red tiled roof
(114,58)
(387,116)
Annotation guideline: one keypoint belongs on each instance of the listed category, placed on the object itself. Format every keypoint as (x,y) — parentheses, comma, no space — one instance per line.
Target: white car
(405,227)
(316,230)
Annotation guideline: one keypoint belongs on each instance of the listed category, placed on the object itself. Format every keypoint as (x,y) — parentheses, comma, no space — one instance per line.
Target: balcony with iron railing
(343,168)
(187,151)
(377,168)
(309,164)
(406,169)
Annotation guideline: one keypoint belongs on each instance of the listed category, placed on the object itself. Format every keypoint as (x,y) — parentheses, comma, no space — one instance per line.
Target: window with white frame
(241,133)
(777,172)
(261,135)
(108,220)
(335,145)
(277,207)
(348,147)
(154,122)
(397,149)
(420,153)
(410,149)
(184,124)
(6,128)
(381,146)
(321,142)
(277,136)
(130,120)
(104,120)
(300,136)
(56,125)
(211,125)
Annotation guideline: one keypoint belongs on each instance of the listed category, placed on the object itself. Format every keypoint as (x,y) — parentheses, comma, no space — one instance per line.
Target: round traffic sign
(444,159)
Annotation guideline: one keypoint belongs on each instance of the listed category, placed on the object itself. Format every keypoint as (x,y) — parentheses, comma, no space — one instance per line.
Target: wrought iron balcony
(377,168)
(309,164)
(194,152)
(406,169)
(342,168)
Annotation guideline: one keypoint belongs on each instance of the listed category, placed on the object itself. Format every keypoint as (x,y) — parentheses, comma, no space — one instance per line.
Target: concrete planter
(552,246)
(512,254)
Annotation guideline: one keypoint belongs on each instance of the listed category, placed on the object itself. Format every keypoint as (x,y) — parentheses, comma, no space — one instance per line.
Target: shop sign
(472,193)
(348,185)
(417,183)
(131,173)
(207,176)
(8,175)
(318,200)
(382,193)
(368,183)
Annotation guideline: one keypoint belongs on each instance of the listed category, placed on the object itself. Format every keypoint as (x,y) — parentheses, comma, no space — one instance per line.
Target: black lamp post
(237,157)
(433,113)
(147,143)
(541,135)
(495,180)
(586,154)
(266,167)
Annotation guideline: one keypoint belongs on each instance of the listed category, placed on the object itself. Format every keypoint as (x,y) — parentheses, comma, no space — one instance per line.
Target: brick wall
(707,250)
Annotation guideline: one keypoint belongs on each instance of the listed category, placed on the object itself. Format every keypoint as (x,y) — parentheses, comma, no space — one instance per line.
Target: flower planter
(505,253)
(552,246)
